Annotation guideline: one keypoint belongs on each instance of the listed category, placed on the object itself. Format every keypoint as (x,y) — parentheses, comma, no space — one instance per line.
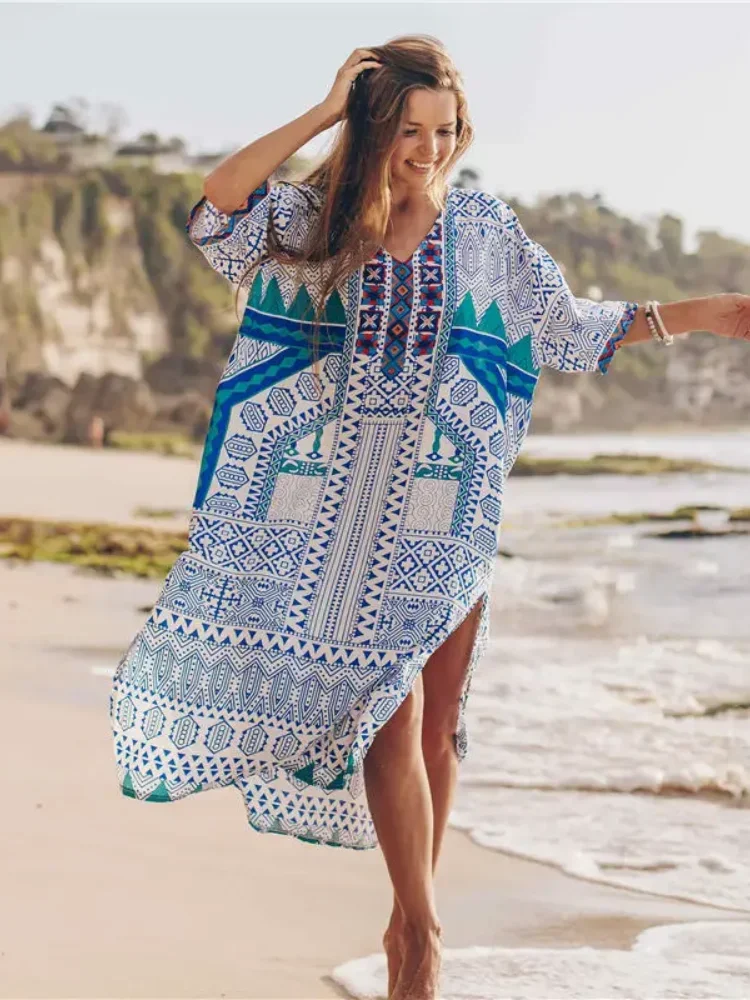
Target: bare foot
(393,943)
(419,978)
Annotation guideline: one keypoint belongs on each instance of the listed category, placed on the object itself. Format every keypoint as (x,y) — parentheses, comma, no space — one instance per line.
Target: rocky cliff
(699,380)
(106,309)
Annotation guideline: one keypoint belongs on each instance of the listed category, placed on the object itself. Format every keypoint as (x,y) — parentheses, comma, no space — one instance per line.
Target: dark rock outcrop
(173,375)
(43,408)
(44,401)
(121,402)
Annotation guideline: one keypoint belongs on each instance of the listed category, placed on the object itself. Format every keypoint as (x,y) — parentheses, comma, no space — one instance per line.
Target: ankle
(423,933)
(396,922)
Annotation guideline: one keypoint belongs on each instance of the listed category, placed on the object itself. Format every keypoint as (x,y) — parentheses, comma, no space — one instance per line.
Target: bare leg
(400,802)
(443,679)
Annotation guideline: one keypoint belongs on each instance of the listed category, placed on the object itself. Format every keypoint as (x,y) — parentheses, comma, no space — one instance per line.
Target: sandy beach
(107,897)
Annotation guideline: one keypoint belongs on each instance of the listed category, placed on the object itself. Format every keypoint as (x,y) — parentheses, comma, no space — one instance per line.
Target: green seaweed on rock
(137,551)
(614,465)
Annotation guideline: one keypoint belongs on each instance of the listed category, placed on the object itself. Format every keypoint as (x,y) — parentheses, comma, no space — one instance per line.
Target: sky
(643,103)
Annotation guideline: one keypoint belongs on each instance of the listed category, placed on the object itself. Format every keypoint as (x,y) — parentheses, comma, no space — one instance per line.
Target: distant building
(82,148)
(151,151)
(62,126)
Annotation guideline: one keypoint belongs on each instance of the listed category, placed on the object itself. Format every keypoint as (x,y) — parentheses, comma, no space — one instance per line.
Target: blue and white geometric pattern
(347,510)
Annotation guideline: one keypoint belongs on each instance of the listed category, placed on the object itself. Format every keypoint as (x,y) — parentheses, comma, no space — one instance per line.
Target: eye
(443,131)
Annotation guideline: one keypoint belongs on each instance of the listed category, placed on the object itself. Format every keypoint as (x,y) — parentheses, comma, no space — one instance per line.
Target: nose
(429,152)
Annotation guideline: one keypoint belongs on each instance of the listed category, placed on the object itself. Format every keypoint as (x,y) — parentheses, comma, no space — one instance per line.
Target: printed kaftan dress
(347,513)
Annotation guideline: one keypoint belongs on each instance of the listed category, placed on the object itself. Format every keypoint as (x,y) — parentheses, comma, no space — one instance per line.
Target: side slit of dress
(450,663)
(480,610)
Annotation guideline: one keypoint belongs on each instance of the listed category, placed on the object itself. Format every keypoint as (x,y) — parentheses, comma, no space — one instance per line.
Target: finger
(362,66)
(358,55)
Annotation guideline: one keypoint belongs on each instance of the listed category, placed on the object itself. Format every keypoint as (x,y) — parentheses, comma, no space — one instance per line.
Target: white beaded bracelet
(656,324)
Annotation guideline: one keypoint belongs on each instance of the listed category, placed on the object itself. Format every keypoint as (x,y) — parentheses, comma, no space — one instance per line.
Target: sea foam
(692,961)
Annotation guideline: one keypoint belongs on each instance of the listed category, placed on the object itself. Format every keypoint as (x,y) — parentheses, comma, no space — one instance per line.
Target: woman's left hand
(732,316)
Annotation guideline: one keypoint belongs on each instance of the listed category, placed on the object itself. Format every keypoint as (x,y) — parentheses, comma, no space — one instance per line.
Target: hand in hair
(334,104)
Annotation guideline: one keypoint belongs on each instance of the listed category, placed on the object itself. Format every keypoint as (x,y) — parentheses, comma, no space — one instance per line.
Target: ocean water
(730,448)
(609,723)
(701,960)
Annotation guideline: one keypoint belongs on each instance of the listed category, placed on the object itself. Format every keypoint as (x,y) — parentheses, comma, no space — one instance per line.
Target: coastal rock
(173,374)
(43,399)
(25,426)
(121,402)
(556,409)
(189,412)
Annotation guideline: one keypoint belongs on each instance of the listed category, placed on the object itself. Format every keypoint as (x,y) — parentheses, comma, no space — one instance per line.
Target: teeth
(415,164)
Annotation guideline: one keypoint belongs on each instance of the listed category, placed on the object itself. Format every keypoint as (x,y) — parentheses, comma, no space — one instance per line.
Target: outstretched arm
(571,334)
(726,315)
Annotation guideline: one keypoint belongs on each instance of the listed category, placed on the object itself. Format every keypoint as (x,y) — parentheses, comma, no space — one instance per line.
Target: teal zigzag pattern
(483,348)
(267,318)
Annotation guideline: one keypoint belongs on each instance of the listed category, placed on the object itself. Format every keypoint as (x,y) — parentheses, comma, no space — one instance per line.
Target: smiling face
(426,137)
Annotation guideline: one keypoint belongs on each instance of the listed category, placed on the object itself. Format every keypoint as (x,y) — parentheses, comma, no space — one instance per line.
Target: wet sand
(66,483)
(108,897)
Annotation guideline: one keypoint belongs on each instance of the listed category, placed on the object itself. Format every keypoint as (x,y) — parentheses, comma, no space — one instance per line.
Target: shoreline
(112,485)
(183,899)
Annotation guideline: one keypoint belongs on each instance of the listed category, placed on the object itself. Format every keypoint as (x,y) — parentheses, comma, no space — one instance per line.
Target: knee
(439,726)
(401,731)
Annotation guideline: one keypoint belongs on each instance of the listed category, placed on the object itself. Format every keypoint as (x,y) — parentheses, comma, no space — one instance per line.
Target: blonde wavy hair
(353,180)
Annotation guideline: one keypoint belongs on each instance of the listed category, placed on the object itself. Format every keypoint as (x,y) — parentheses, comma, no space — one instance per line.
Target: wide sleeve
(233,242)
(567,333)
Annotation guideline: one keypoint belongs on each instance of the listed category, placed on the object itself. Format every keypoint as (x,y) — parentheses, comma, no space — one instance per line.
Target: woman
(315,644)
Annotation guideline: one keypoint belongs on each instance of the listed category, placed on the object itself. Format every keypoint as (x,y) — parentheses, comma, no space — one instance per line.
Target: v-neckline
(438,218)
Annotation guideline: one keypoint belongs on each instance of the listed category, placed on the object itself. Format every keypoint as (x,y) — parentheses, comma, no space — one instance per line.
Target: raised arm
(228,185)
(230,224)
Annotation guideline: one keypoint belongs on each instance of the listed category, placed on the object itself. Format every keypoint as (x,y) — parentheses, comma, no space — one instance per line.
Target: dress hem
(302,772)
(162,796)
